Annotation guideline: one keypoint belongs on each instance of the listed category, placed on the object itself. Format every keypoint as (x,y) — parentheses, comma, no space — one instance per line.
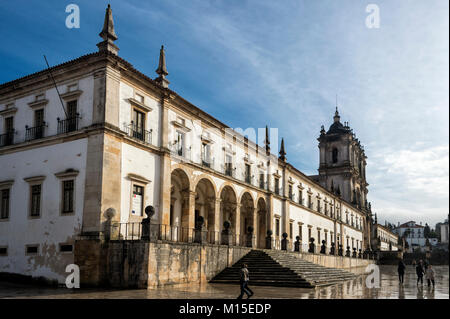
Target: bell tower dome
(342,168)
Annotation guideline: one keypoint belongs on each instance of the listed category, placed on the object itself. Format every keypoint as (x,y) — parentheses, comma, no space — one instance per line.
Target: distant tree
(438,231)
(426,231)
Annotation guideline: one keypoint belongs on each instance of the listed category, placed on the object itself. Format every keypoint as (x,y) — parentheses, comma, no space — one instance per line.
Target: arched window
(335,155)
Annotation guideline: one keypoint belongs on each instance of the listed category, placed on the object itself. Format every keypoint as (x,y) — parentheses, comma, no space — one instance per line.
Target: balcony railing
(34,133)
(68,125)
(7,138)
(208,162)
(167,233)
(182,152)
(138,133)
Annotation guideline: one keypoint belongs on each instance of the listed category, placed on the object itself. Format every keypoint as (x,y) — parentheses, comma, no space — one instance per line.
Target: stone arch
(228,205)
(180,193)
(201,177)
(247,218)
(227,184)
(205,204)
(262,224)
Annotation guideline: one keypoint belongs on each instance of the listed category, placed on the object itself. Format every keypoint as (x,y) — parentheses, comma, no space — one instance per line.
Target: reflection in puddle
(354,289)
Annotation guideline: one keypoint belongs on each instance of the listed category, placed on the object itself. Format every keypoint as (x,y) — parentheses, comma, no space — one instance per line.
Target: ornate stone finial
(267,141)
(162,69)
(282,151)
(108,34)
(336,117)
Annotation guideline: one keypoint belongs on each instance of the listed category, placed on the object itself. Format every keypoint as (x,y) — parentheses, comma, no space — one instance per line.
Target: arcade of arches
(198,205)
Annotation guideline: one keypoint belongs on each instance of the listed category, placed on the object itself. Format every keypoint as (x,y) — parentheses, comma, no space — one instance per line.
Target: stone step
(274,268)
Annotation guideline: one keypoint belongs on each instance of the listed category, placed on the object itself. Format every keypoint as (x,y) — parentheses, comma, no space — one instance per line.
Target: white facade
(137,145)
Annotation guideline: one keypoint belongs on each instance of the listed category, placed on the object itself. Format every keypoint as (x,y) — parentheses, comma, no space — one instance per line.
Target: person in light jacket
(244,283)
(429,275)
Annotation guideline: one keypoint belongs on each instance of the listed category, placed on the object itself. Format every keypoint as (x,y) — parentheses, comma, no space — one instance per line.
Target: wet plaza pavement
(354,289)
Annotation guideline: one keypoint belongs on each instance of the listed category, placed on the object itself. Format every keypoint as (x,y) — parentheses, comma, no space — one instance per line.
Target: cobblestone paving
(355,289)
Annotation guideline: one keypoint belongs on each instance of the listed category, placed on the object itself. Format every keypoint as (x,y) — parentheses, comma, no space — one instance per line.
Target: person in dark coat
(401,270)
(419,272)
(244,283)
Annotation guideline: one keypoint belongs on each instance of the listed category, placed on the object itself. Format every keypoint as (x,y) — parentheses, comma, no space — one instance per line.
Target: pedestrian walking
(419,272)
(244,283)
(429,275)
(401,270)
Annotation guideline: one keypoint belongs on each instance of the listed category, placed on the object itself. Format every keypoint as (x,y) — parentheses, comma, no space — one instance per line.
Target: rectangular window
(291,195)
(180,143)
(309,233)
(318,205)
(277,227)
(261,180)
(277,186)
(290,230)
(248,173)
(4,208)
(35,209)
(137,204)
(228,165)
(318,237)
(300,197)
(138,126)
(3,251)
(300,232)
(39,117)
(68,192)
(65,248)
(72,107)
(8,137)
(9,124)
(72,114)
(38,130)
(32,250)
(310,204)
(206,155)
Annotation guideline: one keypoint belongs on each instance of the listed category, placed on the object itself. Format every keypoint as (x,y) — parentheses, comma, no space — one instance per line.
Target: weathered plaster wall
(51,228)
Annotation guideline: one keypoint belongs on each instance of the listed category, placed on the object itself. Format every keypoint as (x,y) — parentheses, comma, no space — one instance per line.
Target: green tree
(426,231)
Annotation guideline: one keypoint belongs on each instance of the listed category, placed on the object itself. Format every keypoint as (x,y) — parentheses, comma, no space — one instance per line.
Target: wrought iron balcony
(139,133)
(181,152)
(229,170)
(7,138)
(34,133)
(208,162)
(68,125)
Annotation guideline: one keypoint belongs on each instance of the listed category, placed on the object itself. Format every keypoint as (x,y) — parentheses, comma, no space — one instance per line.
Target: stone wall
(355,265)
(142,264)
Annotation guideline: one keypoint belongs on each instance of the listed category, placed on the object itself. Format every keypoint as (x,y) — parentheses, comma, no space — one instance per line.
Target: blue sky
(252,63)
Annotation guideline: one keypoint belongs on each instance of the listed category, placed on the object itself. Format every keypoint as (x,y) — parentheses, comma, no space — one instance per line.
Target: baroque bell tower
(342,167)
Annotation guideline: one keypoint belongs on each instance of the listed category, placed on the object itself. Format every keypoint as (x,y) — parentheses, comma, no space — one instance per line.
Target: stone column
(217,225)
(188,216)
(237,224)
(250,238)
(165,178)
(269,215)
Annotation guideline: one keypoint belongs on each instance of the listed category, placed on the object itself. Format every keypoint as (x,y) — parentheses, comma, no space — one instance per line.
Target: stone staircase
(278,268)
